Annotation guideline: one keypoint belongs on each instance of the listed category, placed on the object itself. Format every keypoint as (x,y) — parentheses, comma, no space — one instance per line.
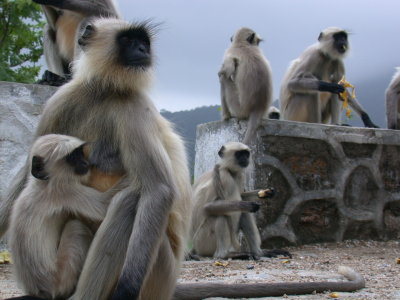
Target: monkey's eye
(88,31)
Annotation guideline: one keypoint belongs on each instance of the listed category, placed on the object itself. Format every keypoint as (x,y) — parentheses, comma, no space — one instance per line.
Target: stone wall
(332,182)
(20,106)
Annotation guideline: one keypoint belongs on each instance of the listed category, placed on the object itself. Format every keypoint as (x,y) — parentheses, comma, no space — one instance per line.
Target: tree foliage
(21,27)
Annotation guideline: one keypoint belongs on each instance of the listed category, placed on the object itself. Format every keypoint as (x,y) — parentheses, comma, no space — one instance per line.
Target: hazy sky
(195,34)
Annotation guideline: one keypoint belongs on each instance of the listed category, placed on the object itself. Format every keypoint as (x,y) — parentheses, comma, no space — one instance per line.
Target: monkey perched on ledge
(310,89)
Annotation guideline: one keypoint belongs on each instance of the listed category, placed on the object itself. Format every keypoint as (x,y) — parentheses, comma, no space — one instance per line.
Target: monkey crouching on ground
(64,18)
(219,212)
(50,230)
(392,102)
(310,89)
(246,81)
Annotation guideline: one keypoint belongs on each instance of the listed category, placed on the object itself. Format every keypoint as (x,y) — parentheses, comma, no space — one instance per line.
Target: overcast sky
(194,35)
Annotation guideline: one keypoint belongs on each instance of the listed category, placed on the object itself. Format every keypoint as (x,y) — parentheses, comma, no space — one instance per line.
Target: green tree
(21,27)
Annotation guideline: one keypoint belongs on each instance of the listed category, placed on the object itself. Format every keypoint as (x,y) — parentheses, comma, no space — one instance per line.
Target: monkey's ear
(76,159)
(86,35)
(221,151)
(250,39)
(38,170)
(320,36)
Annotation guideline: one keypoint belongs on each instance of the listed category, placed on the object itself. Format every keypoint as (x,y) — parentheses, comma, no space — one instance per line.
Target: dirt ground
(376,261)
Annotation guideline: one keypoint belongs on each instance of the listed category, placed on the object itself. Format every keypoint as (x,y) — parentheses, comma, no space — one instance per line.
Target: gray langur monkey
(392,102)
(218,214)
(138,248)
(310,89)
(64,18)
(246,81)
(50,230)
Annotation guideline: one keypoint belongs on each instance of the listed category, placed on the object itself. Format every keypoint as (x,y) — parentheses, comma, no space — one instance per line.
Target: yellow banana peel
(344,96)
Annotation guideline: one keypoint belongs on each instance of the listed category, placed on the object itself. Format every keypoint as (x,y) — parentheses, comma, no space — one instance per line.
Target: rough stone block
(332,182)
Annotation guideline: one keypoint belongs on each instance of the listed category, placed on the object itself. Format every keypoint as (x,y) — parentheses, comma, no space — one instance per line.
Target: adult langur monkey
(137,250)
(392,102)
(219,212)
(60,33)
(246,81)
(309,91)
(51,222)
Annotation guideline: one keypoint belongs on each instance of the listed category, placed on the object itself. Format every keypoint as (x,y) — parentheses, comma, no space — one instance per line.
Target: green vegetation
(21,27)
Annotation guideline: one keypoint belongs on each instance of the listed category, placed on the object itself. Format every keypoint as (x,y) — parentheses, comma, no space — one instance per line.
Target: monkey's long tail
(252,125)
(198,291)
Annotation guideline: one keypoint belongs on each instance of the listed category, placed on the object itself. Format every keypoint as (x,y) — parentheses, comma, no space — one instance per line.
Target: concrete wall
(332,182)
(20,106)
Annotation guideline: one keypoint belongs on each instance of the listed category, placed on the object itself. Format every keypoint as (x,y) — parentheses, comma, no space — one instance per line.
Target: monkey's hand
(334,88)
(251,206)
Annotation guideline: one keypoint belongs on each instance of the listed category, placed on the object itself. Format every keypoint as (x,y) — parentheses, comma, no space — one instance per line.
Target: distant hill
(186,122)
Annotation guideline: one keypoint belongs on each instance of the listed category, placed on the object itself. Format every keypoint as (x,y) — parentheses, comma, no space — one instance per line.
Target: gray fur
(64,18)
(48,240)
(302,98)
(392,102)
(107,96)
(246,81)
(218,209)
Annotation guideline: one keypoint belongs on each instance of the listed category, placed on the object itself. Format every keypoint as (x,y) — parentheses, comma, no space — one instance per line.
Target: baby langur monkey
(310,89)
(392,102)
(50,231)
(219,212)
(246,81)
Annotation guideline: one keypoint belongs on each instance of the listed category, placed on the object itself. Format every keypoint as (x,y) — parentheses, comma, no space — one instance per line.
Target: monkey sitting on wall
(50,229)
(246,81)
(310,89)
(392,102)
(64,18)
(219,212)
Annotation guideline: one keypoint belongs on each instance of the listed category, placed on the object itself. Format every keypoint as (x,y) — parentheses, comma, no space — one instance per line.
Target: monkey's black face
(242,158)
(77,160)
(134,47)
(340,42)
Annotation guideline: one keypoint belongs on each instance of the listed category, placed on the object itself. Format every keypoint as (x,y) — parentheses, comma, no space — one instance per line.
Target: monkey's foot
(50,78)
(276,253)
(367,121)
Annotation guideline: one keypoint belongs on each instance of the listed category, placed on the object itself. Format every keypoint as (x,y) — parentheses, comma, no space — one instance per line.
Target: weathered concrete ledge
(332,182)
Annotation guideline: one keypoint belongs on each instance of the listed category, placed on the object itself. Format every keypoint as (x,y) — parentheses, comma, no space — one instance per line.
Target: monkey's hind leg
(72,250)
(160,283)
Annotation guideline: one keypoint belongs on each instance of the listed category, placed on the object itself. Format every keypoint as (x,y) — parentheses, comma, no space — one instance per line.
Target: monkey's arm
(229,67)
(304,84)
(224,207)
(157,193)
(392,98)
(85,7)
